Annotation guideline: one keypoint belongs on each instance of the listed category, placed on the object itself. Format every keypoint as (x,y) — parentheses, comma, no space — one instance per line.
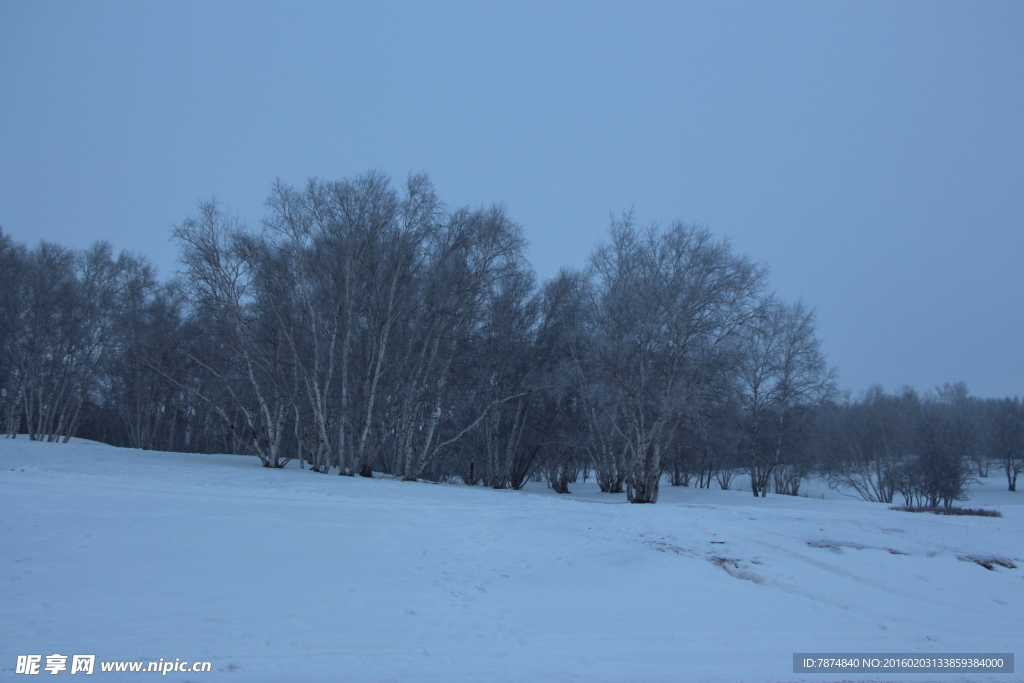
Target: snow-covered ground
(293,576)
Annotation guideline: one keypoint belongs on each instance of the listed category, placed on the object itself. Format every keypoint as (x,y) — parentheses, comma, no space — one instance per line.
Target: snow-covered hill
(293,576)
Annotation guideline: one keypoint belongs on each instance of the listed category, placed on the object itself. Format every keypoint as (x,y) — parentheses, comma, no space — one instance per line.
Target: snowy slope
(294,576)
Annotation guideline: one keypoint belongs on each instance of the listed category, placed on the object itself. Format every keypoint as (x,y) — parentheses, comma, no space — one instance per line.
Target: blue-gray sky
(871,153)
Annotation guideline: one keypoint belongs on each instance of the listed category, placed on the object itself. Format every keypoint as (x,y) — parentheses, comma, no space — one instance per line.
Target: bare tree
(947,436)
(869,440)
(665,304)
(784,376)
(344,263)
(247,354)
(1006,437)
(14,264)
(466,262)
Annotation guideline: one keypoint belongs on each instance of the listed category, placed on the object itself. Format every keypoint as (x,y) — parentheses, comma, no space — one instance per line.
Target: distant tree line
(369,328)
(925,449)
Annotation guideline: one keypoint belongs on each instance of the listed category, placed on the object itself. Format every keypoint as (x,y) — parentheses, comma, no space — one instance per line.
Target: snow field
(293,576)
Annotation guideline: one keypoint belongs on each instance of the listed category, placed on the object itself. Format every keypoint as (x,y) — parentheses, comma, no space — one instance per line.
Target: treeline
(925,449)
(369,328)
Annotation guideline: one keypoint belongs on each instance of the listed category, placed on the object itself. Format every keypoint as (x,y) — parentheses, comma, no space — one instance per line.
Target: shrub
(948,510)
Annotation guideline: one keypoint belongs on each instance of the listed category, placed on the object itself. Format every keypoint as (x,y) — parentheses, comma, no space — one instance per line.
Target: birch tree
(246,355)
(784,376)
(665,304)
(466,260)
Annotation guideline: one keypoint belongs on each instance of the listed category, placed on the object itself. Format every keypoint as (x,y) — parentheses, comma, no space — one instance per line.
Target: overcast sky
(871,153)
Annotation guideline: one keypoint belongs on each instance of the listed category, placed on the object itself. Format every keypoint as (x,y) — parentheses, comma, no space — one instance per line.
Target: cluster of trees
(925,449)
(368,328)
(66,320)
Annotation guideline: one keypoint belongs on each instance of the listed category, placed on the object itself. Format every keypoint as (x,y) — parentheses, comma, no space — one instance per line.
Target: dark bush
(948,510)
